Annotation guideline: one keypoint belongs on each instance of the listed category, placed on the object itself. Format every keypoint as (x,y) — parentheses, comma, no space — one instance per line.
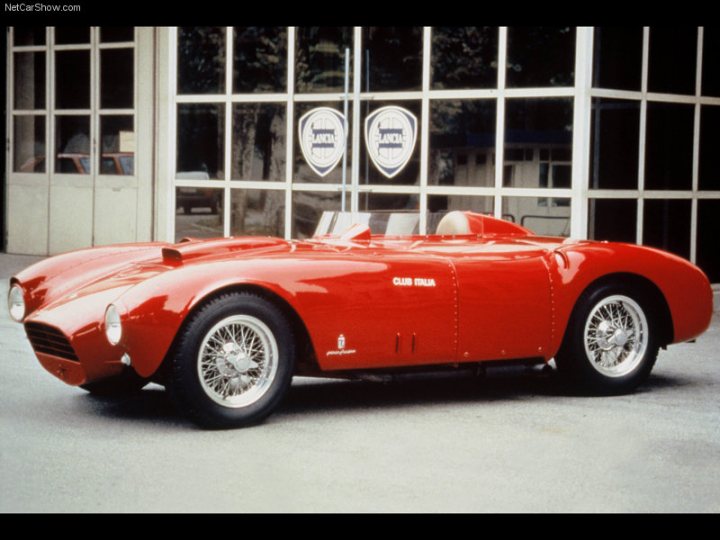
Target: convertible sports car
(225,323)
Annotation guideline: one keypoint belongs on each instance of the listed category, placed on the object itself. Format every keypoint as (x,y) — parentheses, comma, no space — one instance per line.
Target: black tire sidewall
(573,360)
(185,381)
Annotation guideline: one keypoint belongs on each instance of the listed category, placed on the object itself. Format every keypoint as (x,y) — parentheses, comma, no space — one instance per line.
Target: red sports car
(224,324)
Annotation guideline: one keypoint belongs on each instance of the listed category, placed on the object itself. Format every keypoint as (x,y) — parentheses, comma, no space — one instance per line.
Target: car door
(382,308)
(504,302)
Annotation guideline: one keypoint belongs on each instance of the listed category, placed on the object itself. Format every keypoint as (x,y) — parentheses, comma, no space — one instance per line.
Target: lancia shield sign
(390,135)
(322,138)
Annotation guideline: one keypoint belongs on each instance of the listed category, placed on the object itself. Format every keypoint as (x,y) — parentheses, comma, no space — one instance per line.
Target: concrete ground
(503,444)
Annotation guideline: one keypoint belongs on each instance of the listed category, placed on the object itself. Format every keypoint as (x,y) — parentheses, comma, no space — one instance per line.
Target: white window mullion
(500,120)
(172,129)
(227,163)
(643,129)
(696,148)
(582,116)
(289,131)
(425,128)
(357,119)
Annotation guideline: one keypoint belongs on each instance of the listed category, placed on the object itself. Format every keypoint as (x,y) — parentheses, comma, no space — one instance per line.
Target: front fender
(684,286)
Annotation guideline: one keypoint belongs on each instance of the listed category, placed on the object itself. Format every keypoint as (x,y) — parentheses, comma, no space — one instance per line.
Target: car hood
(107,272)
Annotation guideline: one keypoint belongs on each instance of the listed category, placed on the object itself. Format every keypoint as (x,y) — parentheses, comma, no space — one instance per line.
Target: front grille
(48,340)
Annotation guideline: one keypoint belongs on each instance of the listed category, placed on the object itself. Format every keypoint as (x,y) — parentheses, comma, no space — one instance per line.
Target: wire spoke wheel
(616,336)
(237,361)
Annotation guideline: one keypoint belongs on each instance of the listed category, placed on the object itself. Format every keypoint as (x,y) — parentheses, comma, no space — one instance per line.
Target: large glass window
(709,145)
(257,212)
(201,60)
(199,212)
(72,144)
(117,136)
(258,142)
(612,219)
(308,206)
(462,143)
(711,61)
(72,79)
(29,144)
(543,216)
(708,225)
(667,225)
(260,59)
(116,78)
(29,80)
(672,59)
(464,57)
(200,141)
(320,58)
(538,143)
(541,56)
(669,146)
(614,143)
(392,58)
(618,57)
(29,35)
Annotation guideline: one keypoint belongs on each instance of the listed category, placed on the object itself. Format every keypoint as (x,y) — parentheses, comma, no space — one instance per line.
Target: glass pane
(29,144)
(257,212)
(462,143)
(118,145)
(668,146)
(541,56)
(117,78)
(439,205)
(709,145)
(666,225)
(392,58)
(538,142)
(117,33)
(302,172)
(72,144)
(613,219)
(614,144)
(542,215)
(708,225)
(258,142)
(392,213)
(320,58)
(201,132)
(29,35)
(65,35)
(199,212)
(711,61)
(464,57)
(618,57)
(201,60)
(388,201)
(369,173)
(72,80)
(672,60)
(308,206)
(29,80)
(260,59)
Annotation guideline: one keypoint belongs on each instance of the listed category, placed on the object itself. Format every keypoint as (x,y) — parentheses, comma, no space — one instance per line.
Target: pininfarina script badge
(390,135)
(322,138)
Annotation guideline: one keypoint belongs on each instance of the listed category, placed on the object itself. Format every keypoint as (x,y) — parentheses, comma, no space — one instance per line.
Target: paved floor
(511,443)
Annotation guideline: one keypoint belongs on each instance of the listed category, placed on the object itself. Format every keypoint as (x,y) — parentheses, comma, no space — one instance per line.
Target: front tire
(233,362)
(611,342)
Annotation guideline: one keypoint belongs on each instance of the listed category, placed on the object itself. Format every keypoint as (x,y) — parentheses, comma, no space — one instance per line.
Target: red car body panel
(499,293)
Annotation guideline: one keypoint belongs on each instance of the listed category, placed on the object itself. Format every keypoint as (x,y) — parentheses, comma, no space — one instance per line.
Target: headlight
(113,326)
(16,303)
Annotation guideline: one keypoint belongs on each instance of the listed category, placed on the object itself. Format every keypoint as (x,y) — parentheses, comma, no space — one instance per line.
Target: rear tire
(233,362)
(611,342)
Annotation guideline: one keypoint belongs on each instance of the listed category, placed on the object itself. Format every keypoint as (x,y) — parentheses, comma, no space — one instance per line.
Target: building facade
(133,134)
